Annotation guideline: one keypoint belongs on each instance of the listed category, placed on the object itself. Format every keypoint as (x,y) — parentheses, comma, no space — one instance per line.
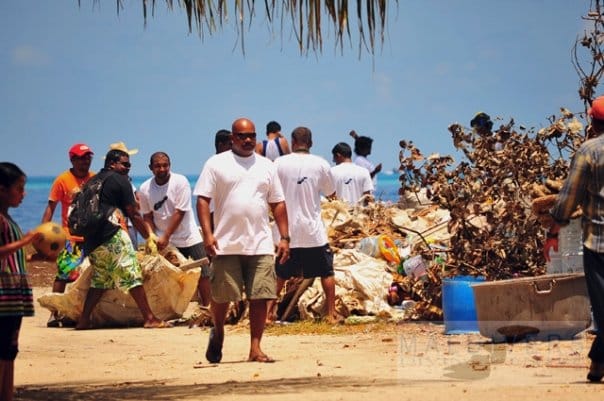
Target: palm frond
(303,17)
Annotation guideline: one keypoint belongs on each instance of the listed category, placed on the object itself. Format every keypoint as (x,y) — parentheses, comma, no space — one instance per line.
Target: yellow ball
(52,240)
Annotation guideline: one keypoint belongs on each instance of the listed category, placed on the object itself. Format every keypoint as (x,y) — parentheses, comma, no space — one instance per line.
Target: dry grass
(308,327)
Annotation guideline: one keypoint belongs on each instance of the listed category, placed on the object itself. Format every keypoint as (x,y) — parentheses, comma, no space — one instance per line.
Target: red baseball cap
(79,150)
(597,108)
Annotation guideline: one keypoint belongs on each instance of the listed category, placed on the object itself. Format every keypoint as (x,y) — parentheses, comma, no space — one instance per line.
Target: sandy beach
(409,361)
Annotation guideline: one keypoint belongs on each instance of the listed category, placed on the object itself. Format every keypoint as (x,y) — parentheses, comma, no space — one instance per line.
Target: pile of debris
(366,271)
(474,218)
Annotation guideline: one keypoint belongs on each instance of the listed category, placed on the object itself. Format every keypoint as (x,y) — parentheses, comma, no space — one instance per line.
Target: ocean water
(29,214)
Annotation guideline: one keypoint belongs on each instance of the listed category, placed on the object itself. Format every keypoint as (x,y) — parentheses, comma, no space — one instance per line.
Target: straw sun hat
(122,146)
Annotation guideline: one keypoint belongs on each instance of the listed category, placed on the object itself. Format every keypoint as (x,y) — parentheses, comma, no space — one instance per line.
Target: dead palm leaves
(307,19)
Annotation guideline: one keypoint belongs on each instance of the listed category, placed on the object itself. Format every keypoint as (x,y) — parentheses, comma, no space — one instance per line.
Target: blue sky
(89,75)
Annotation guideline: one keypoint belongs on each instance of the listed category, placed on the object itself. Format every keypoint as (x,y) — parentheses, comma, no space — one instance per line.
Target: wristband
(286,238)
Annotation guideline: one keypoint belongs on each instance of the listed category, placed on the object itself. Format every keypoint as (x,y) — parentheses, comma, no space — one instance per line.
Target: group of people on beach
(239,189)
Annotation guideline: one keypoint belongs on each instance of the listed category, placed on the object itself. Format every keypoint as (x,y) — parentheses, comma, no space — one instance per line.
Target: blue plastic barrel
(459,306)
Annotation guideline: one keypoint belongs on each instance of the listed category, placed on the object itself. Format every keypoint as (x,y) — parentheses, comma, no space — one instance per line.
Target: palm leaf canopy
(307,18)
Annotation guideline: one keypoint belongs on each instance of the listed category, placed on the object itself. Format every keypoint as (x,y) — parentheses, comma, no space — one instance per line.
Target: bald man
(242,186)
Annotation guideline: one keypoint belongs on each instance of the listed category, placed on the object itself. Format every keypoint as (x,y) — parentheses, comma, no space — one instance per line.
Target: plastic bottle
(415,266)
(570,247)
(369,246)
(554,266)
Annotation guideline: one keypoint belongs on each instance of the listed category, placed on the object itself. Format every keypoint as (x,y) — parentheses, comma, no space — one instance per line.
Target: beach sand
(409,361)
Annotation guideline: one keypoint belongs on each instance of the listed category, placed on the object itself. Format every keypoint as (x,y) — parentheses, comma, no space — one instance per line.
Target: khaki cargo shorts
(233,274)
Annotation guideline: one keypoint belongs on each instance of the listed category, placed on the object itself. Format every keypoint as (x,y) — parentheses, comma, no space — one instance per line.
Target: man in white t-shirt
(362,149)
(351,181)
(242,186)
(165,202)
(304,178)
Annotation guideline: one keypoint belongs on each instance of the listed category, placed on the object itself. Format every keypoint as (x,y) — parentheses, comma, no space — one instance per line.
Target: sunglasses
(125,164)
(242,136)
(160,203)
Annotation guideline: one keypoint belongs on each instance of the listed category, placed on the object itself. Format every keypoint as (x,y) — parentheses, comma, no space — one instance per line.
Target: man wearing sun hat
(584,187)
(62,190)
(131,230)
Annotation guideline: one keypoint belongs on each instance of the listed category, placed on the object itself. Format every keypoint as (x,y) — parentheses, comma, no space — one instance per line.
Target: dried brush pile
(489,194)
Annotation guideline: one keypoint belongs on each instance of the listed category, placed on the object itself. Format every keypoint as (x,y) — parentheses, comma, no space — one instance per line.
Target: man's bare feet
(262,357)
(157,324)
(337,319)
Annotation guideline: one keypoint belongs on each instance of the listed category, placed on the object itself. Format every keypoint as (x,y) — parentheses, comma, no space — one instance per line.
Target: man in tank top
(275,145)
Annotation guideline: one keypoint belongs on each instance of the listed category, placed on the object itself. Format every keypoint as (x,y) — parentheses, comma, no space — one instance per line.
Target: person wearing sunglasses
(242,186)
(62,190)
(131,152)
(165,202)
(110,250)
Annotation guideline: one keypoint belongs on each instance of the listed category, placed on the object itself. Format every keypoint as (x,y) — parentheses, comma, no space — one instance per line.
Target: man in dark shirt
(112,256)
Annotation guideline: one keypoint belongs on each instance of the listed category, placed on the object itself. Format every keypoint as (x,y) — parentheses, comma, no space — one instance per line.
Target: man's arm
(49,211)
(573,190)
(205,221)
(139,223)
(280,214)
(175,221)
(376,170)
(148,217)
(284,145)
(259,148)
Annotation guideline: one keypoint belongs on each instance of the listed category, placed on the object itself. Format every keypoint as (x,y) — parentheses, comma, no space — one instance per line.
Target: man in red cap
(62,190)
(584,187)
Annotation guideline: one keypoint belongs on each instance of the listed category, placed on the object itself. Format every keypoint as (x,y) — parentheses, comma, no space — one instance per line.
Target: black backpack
(86,214)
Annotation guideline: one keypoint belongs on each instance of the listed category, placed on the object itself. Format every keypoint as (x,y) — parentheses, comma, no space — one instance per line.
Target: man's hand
(283,251)
(151,244)
(550,242)
(210,245)
(162,242)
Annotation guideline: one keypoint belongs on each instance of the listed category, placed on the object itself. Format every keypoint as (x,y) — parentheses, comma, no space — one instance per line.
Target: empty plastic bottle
(570,247)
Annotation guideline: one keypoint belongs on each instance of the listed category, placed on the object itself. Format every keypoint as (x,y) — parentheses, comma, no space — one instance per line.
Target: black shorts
(9,337)
(307,262)
(196,252)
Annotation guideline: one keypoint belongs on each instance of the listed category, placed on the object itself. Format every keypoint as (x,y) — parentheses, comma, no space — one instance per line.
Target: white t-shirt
(364,162)
(163,201)
(351,181)
(304,178)
(240,189)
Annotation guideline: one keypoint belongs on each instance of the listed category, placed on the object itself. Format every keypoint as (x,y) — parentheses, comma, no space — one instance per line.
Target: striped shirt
(16,297)
(584,187)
